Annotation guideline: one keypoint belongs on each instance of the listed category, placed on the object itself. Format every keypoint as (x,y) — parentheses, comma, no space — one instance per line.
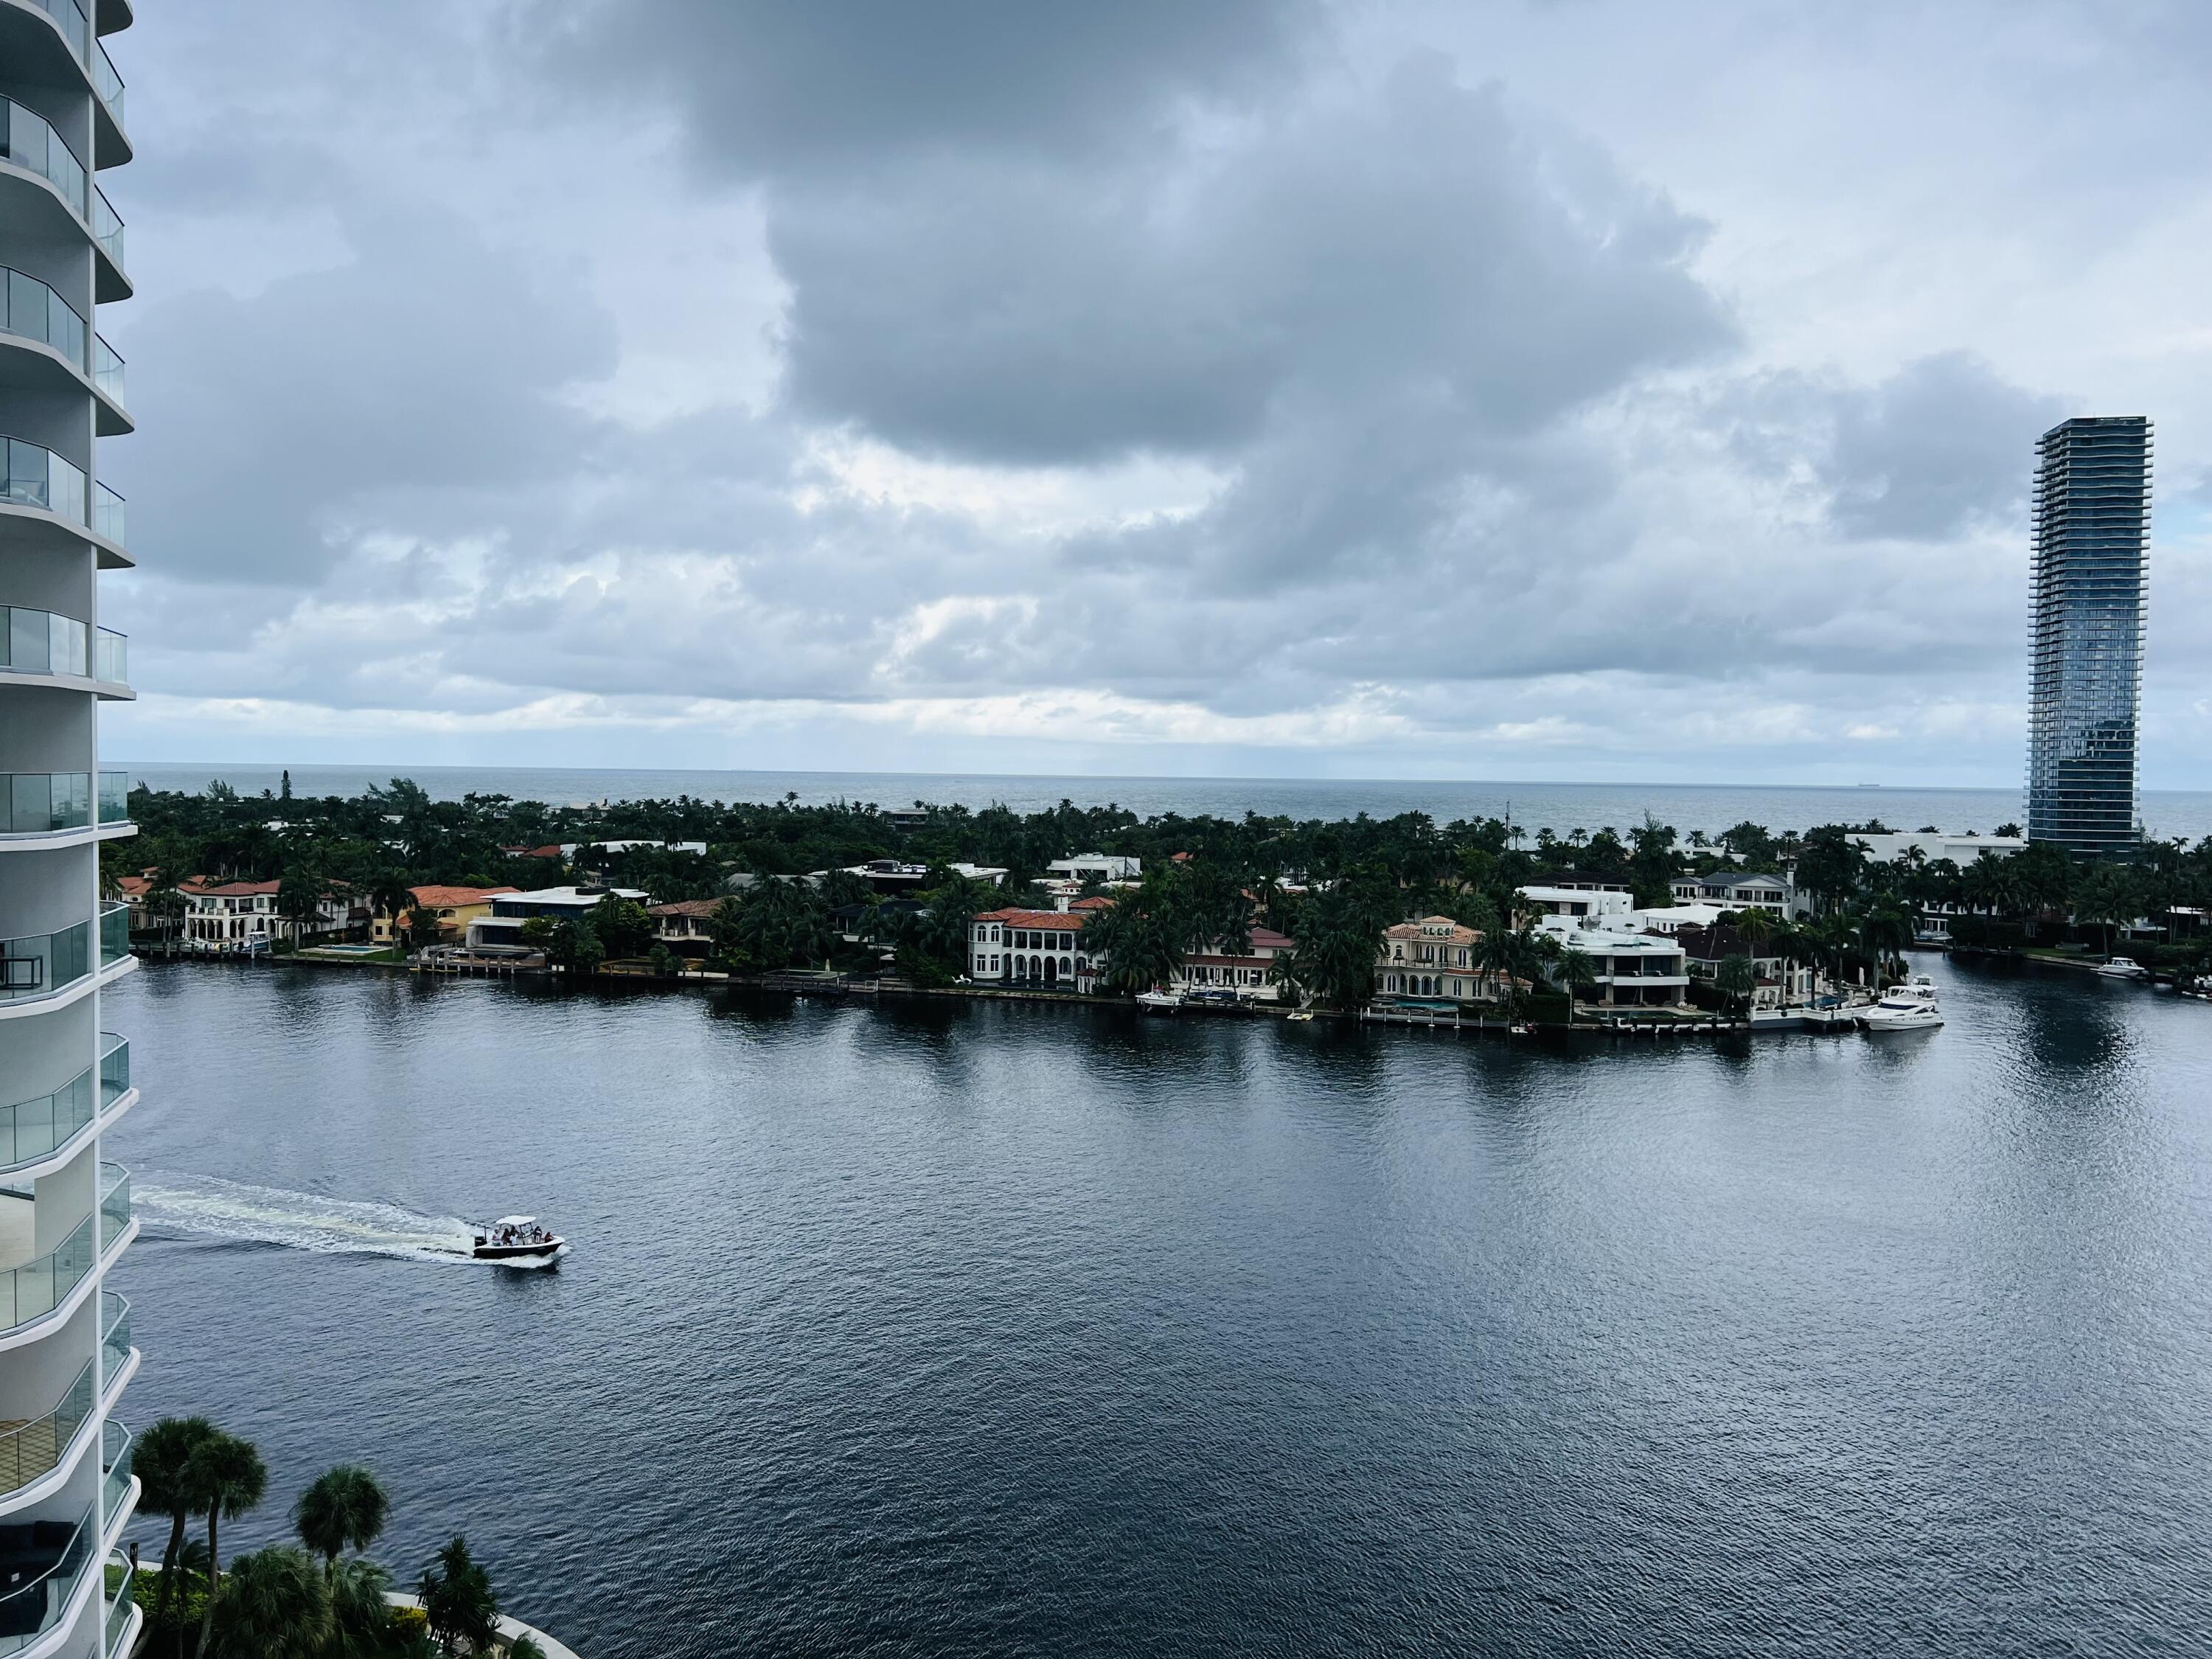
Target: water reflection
(995,1329)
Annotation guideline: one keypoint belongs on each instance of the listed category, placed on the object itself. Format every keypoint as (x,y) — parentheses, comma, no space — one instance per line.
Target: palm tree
(456,1599)
(161,1458)
(227,1477)
(276,1606)
(1736,979)
(1576,975)
(345,1508)
(1886,929)
(359,1616)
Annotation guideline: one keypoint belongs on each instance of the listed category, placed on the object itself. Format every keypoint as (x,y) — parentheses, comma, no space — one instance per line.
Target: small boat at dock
(1159,1002)
(2122,968)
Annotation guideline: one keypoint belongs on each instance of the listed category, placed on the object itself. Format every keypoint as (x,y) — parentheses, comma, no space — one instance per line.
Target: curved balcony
(42,804)
(31,1292)
(36,476)
(33,1131)
(57,505)
(29,143)
(115,1337)
(73,355)
(45,642)
(115,1460)
(78,48)
(122,1607)
(41,965)
(44,1564)
(114,1204)
(32,1451)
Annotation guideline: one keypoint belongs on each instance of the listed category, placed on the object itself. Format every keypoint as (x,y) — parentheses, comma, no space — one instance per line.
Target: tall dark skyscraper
(2092,546)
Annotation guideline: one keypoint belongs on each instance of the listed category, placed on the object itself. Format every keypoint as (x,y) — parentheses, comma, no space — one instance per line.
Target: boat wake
(210,1207)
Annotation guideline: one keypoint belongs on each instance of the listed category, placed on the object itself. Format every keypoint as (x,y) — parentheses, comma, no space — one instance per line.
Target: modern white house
(1734,889)
(1096,866)
(66,1486)
(502,929)
(894,878)
(1631,969)
(1961,849)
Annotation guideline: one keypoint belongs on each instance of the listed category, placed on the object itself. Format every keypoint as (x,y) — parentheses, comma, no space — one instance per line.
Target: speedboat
(1911,1006)
(518,1240)
(1159,1002)
(2122,968)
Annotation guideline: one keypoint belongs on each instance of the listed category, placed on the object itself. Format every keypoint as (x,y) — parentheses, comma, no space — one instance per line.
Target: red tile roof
(207,887)
(1057,920)
(453,898)
(701,908)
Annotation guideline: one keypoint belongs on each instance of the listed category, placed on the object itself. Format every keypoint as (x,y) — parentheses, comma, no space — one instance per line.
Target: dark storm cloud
(767,86)
(1413,258)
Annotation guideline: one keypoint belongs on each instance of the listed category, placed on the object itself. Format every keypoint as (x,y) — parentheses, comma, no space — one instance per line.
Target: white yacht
(519,1241)
(2122,968)
(1911,1006)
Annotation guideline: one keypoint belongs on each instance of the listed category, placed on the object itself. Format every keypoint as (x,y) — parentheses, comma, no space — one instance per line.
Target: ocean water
(1561,807)
(1008,1329)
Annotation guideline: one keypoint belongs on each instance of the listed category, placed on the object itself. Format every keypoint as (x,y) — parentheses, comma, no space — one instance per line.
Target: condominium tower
(66,1489)
(2092,539)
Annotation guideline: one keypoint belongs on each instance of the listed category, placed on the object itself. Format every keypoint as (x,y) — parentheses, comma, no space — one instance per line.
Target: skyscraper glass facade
(2092,512)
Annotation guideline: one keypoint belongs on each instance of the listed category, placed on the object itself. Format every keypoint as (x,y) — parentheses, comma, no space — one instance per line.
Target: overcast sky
(1573,390)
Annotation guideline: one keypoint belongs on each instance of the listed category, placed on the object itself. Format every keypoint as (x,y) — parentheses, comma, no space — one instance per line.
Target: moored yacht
(1911,1006)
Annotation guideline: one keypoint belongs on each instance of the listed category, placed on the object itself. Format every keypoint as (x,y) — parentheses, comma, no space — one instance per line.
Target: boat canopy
(516,1221)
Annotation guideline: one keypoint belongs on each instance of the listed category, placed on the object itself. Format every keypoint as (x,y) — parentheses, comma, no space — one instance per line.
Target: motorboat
(1911,1006)
(2122,968)
(518,1240)
(1159,1002)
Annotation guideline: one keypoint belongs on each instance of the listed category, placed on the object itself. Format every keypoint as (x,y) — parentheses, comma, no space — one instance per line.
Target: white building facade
(1030,949)
(66,1486)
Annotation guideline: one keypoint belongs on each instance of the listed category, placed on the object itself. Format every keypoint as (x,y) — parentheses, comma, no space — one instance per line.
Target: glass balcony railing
(115,798)
(107,371)
(114,1203)
(42,643)
(114,933)
(115,1458)
(115,1334)
(122,1601)
(114,1068)
(43,964)
(69,17)
(36,476)
(30,1450)
(47,1588)
(108,513)
(31,311)
(43,803)
(28,140)
(37,1288)
(106,226)
(105,81)
(111,656)
(33,1129)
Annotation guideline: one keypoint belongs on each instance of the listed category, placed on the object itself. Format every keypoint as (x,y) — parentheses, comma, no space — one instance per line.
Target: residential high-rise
(66,1488)
(2091,542)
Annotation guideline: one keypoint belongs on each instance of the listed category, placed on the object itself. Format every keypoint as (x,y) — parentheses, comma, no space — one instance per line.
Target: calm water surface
(1002,1330)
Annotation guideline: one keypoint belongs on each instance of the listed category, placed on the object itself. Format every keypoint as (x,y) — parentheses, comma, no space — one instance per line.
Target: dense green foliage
(282,1602)
(1333,886)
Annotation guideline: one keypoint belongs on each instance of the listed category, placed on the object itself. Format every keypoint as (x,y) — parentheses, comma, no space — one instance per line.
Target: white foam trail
(298,1221)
